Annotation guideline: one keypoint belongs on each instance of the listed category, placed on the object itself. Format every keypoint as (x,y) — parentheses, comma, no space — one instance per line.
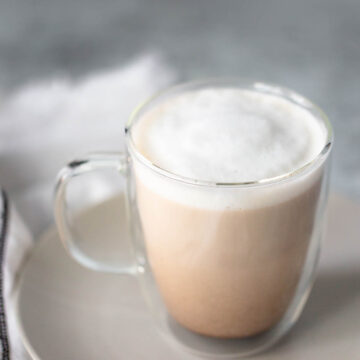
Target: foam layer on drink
(227,135)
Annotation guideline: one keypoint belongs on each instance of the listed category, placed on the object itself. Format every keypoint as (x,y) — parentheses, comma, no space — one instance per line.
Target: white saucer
(67,312)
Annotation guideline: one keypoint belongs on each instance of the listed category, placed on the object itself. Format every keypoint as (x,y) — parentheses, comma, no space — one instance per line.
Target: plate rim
(15,298)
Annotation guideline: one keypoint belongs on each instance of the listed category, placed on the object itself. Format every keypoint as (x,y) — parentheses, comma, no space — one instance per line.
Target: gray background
(310,46)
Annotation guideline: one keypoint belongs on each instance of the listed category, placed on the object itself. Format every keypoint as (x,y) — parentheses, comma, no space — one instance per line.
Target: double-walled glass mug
(226,268)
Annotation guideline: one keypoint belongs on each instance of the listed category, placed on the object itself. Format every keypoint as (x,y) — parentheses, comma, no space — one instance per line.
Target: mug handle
(115,161)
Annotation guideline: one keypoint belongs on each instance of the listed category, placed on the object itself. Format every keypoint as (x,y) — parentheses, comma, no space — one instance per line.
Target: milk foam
(229,135)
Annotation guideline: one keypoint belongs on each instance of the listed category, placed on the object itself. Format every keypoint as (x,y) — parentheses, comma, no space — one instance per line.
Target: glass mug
(222,281)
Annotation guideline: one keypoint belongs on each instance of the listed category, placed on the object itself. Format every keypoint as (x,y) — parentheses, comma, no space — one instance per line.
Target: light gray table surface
(312,46)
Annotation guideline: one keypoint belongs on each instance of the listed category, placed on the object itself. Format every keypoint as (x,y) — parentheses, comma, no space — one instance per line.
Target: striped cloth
(15,242)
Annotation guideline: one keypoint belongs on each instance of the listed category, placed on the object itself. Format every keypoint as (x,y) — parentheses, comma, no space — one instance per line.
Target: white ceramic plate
(67,312)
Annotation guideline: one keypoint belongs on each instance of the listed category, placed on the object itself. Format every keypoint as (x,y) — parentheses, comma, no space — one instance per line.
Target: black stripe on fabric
(3,233)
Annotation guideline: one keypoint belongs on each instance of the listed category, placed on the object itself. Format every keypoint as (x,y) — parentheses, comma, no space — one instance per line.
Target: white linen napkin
(42,127)
(45,125)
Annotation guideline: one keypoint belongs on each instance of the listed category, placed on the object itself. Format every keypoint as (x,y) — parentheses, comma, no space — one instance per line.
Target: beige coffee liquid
(227,261)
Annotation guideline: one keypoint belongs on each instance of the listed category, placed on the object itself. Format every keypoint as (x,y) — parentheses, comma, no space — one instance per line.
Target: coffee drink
(227,258)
